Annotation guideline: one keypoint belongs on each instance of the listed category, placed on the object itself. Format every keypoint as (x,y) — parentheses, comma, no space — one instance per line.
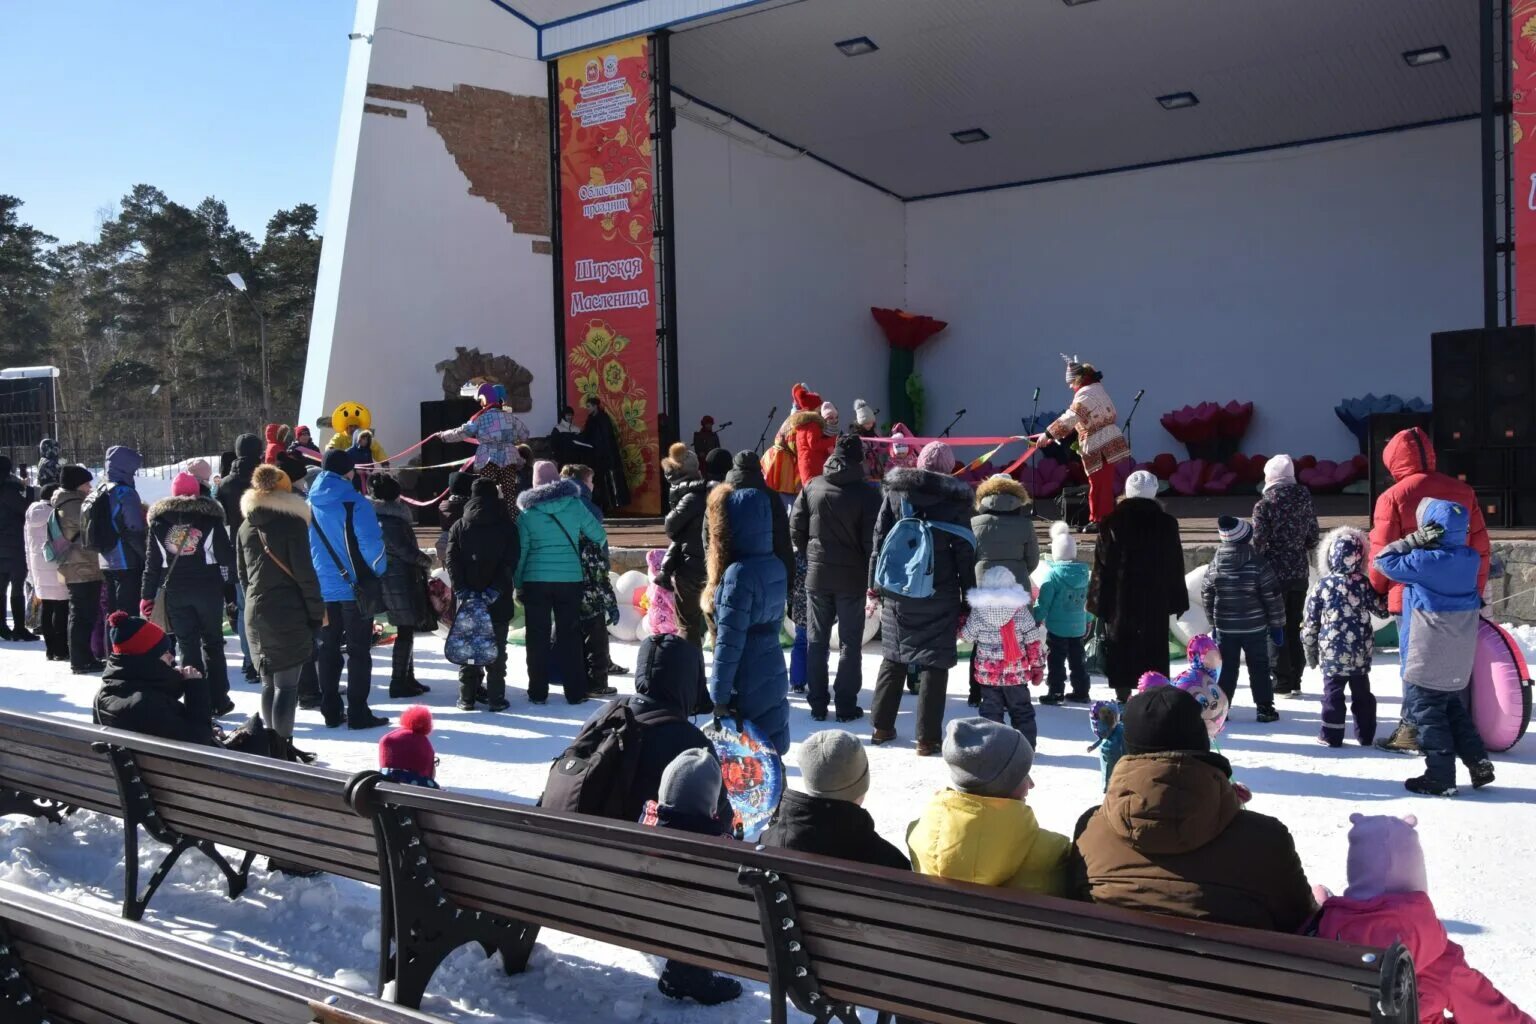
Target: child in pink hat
(1386,902)
(406,755)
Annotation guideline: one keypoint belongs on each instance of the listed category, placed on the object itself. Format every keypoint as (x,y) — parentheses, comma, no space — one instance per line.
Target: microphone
(1037,395)
(729,422)
(1139,394)
(772,411)
(960,413)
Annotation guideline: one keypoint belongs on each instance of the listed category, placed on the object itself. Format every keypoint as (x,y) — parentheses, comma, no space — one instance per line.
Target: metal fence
(163,438)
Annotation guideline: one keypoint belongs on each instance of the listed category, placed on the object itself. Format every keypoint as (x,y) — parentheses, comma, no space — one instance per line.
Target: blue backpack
(905,565)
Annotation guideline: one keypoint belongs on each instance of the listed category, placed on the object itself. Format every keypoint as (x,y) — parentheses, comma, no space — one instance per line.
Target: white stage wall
(1292,279)
(414,264)
(778,262)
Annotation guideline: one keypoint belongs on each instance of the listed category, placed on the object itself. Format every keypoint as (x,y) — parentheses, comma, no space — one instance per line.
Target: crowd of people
(832,528)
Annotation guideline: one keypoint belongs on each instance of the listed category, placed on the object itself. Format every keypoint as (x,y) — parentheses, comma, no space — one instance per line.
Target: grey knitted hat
(833,765)
(691,783)
(986,758)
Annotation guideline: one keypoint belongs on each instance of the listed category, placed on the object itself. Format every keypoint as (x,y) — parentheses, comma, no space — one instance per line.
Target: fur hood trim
(1332,537)
(284,503)
(921,481)
(998,597)
(392,510)
(718,557)
(1000,484)
(548,492)
(806,418)
(196,505)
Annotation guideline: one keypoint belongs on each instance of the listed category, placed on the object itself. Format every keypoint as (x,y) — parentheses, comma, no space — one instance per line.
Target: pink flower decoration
(1233,418)
(1163,466)
(1188,477)
(1218,480)
(1044,477)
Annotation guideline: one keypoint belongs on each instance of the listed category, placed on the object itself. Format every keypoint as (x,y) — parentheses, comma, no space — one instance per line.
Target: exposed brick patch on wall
(499,141)
(543,247)
(374,108)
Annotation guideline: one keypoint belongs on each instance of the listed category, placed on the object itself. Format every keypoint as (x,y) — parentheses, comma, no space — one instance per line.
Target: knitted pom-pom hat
(407,747)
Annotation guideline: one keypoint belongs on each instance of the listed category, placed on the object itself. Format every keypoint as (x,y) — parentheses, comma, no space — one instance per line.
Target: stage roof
(1065,89)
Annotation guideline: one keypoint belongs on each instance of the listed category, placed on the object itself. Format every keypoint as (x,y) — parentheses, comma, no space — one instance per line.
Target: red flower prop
(905,333)
(1329,477)
(1249,469)
(1306,462)
(1200,477)
(1163,466)
(1211,432)
(1044,478)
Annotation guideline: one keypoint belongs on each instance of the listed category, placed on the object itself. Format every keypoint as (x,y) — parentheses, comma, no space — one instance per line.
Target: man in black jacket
(683,570)
(482,555)
(248,450)
(188,551)
(827,818)
(833,526)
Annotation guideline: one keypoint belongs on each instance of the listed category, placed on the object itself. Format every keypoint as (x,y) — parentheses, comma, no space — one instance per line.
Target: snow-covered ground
(1479,846)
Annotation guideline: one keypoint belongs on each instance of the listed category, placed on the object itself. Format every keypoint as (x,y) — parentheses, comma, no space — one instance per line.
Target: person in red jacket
(810,433)
(277,442)
(1410,458)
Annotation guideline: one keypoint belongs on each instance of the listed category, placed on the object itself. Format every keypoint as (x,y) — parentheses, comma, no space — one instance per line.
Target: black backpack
(593,775)
(100,527)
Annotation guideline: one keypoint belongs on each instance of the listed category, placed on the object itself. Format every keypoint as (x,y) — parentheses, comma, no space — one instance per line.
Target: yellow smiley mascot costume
(347,418)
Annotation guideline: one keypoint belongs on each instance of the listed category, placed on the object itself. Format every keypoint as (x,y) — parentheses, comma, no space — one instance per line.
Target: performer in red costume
(1100,443)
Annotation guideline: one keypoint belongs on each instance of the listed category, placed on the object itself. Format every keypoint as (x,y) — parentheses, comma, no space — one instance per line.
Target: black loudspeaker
(1383,427)
(1479,468)
(1497,506)
(446,414)
(1484,381)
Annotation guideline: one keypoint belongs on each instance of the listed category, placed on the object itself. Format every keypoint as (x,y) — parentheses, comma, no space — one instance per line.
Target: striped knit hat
(1233,530)
(132,635)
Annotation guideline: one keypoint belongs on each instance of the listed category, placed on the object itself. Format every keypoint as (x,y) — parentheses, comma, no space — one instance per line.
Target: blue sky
(238,99)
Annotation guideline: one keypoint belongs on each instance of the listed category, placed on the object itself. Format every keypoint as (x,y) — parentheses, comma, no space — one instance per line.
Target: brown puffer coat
(1172,838)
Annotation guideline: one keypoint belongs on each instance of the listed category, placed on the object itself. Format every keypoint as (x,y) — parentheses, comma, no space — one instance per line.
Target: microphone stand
(952,423)
(763,440)
(1135,404)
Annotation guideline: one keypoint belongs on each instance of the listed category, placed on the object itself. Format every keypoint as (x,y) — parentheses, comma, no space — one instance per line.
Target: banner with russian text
(607,175)
(1522,136)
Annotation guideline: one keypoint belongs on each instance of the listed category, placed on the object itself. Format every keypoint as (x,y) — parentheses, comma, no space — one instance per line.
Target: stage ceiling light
(1179,100)
(1428,55)
(969,135)
(857,47)
(1076,3)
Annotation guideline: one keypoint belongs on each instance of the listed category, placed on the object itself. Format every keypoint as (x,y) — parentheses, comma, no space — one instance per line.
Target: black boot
(684,981)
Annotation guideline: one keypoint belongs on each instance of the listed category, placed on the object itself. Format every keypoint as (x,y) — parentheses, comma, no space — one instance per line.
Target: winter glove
(1312,659)
(724,713)
(1426,536)
(146,609)
(871,603)
(1277,636)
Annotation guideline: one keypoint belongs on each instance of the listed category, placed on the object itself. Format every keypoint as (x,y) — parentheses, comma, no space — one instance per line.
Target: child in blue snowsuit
(1438,641)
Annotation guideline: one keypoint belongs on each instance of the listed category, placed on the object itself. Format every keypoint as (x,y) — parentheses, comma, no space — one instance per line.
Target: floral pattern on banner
(607,175)
(1522,138)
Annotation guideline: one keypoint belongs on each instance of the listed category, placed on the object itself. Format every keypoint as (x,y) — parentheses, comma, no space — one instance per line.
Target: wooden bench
(63,964)
(185,796)
(828,936)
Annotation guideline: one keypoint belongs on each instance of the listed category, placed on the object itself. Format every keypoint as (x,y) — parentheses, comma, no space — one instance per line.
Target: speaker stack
(1485,417)
(444,414)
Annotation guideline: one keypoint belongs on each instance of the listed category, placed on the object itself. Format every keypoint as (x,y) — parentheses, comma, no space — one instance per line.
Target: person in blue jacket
(746,592)
(344,519)
(1062,609)
(1438,642)
(123,563)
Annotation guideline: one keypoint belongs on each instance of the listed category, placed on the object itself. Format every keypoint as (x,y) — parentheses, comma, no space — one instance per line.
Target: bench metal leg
(13,801)
(790,971)
(139,810)
(18,999)
(421,924)
(1397,1000)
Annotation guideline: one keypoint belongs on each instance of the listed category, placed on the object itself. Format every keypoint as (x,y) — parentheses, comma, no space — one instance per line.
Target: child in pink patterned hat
(662,616)
(1386,902)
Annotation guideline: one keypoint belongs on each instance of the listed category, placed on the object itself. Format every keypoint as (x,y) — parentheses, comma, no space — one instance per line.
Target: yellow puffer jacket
(989,841)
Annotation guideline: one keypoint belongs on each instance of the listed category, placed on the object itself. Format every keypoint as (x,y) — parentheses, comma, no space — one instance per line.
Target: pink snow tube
(1501,688)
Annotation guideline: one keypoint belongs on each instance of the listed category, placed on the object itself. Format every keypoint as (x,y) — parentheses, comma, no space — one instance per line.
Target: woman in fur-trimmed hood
(746,592)
(1004,528)
(921,631)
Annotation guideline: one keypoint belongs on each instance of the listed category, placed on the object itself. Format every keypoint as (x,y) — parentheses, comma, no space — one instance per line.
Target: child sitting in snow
(1337,635)
(1386,902)
(406,755)
(1008,657)
(1063,610)
(1438,641)
(142,690)
(688,800)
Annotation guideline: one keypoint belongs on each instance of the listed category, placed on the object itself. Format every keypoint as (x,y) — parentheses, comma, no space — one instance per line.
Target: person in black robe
(610,490)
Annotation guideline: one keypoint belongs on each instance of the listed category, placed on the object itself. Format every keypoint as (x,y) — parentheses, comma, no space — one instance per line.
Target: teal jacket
(549,531)
(1063,599)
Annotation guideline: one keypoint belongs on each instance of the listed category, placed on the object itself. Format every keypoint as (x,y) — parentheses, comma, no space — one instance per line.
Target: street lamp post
(238,283)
